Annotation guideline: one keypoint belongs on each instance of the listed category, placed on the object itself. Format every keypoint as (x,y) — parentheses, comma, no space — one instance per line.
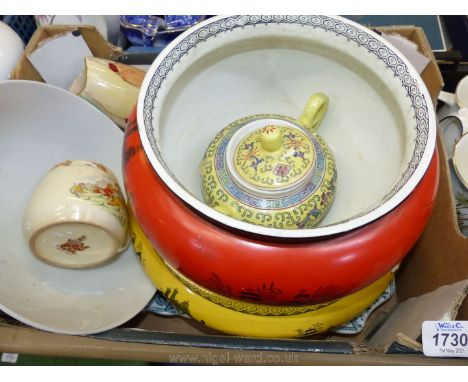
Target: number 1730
(452,339)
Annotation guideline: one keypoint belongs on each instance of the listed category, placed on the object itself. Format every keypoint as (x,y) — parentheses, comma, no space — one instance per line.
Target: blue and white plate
(357,324)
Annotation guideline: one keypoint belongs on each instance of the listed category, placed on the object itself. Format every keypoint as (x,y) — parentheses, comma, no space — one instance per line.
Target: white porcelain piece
(460,159)
(460,150)
(11,48)
(380,125)
(77,216)
(460,99)
(451,132)
(41,126)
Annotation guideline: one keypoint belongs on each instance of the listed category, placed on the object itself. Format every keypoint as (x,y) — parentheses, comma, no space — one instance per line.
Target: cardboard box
(431,75)
(95,41)
(437,259)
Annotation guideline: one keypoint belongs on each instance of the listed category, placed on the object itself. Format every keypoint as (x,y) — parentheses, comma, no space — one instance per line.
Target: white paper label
(445,338)
(9,357)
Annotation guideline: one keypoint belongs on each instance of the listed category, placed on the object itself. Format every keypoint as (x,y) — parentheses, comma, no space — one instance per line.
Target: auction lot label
(445,338)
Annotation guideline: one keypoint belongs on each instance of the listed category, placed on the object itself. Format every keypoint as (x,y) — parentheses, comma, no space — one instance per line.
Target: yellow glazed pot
(272,170)
(110,86)
(246,319)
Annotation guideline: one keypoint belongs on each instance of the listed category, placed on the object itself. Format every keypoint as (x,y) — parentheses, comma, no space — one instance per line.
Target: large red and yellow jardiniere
(271,272)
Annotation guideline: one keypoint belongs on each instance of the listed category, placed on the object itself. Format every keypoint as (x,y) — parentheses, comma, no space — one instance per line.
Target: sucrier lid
(274,158)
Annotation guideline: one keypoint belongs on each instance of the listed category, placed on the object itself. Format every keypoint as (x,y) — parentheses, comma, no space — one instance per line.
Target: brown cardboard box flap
(439,305)
(95,41)
(440,257)
(431,75)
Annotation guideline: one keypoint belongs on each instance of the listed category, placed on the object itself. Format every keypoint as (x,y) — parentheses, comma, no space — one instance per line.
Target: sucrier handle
(314,111)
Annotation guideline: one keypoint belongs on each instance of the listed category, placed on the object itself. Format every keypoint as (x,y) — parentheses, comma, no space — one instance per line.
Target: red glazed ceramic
(248,268)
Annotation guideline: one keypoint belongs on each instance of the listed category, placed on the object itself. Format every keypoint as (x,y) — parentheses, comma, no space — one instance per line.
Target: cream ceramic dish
(380,125)
(41,126)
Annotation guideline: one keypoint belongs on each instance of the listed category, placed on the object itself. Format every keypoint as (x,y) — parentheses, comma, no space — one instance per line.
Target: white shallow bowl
(41,126)
(11,48)
(380,124)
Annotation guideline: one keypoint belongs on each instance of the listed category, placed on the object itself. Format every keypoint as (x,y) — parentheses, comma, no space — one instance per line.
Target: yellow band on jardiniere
(206,306)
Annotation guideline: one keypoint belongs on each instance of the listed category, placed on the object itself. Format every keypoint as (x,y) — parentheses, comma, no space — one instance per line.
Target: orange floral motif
(100,166)
(268,129)
(292,140)
(252,153)
(68,163)
(63,164)
(105,194)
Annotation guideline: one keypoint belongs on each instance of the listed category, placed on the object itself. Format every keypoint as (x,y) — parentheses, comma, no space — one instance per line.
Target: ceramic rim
(421,103)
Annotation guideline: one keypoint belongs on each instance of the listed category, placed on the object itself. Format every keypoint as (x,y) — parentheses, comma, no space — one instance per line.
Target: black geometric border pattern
(340,28)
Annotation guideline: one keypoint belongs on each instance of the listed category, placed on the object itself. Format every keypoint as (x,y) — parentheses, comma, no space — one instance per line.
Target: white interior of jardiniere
(274,68)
